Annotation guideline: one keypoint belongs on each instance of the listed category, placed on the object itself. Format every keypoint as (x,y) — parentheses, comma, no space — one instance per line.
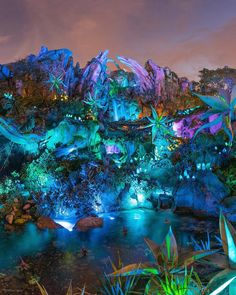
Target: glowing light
(222,287)
(137,216)
(140,197)
(65,223)
(133,201)
(111,218)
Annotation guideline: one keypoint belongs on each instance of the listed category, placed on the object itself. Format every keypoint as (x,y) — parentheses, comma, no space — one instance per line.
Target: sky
(185,35)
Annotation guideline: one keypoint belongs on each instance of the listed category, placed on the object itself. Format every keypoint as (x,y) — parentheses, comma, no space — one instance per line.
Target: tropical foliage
(223,108)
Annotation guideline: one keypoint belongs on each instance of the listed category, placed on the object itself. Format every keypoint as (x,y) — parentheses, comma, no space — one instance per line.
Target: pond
(55,256)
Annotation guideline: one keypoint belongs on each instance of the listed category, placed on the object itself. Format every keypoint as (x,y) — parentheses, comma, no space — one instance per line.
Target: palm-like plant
(56,83)
(93,102)
(224,109)
(158,123)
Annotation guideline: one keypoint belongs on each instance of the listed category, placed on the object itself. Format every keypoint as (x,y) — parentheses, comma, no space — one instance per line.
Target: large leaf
(218,260)
(169,249)
(221,281)
(69,291)
(214,102)
(137,269)
(151,287)
(218,120)
(154,114)
(191,257)
(228,237)
(209,113)
(233,98)
(228,129)
(155,249)
(42,289)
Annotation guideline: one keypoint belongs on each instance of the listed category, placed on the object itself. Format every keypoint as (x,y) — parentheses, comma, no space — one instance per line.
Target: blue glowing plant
(158,123)
(8,95)
(202,245)
(56,83)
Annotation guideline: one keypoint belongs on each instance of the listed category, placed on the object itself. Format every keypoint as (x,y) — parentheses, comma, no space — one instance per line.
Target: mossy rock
(20,221)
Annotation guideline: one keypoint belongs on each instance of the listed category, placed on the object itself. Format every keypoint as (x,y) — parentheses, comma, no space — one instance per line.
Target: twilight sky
(185,35)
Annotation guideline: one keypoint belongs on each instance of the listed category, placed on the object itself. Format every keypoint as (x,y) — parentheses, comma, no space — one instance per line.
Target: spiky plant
(171,284)
(226,277)
(167,259)
(158,123)
(43,291)
(56,83)
(224,107)
(118,285)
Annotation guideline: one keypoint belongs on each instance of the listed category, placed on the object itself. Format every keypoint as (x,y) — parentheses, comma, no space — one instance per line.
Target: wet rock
(20,221)
(26,206)
(202,196)
(26,216)
(9,218)
(45,222)
(9,227)
(88,222)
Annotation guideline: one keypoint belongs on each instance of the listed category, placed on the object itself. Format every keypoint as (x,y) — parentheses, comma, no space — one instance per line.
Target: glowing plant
(227,276)
(8,95)
(172,284)
(202,245)
(223,108)
(56,83)
(121,286)
(167,259)
(158,123)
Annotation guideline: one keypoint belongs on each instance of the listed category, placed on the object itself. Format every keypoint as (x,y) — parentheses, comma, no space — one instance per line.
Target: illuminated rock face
(47,223)
(88,222)
(203,195)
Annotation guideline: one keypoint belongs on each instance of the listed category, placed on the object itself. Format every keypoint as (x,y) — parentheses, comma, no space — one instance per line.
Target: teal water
(55,255)
(139,223)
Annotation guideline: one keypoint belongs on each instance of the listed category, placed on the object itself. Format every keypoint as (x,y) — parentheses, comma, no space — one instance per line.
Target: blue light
(65,223)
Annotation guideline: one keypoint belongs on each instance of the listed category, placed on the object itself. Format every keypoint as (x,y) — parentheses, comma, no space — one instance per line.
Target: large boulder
(202,195)
(87,223)
(45,222)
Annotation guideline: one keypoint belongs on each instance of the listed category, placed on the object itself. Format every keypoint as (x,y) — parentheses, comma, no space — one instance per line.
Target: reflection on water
(17,244)
(99,241)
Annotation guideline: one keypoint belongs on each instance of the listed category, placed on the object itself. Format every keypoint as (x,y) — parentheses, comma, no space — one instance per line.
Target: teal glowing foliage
(226,278)
(29,141)
(8,95)
(38,177)
(171,284)
(228,236)
(56,83)
(115,286)
(158,123)
(202,245)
